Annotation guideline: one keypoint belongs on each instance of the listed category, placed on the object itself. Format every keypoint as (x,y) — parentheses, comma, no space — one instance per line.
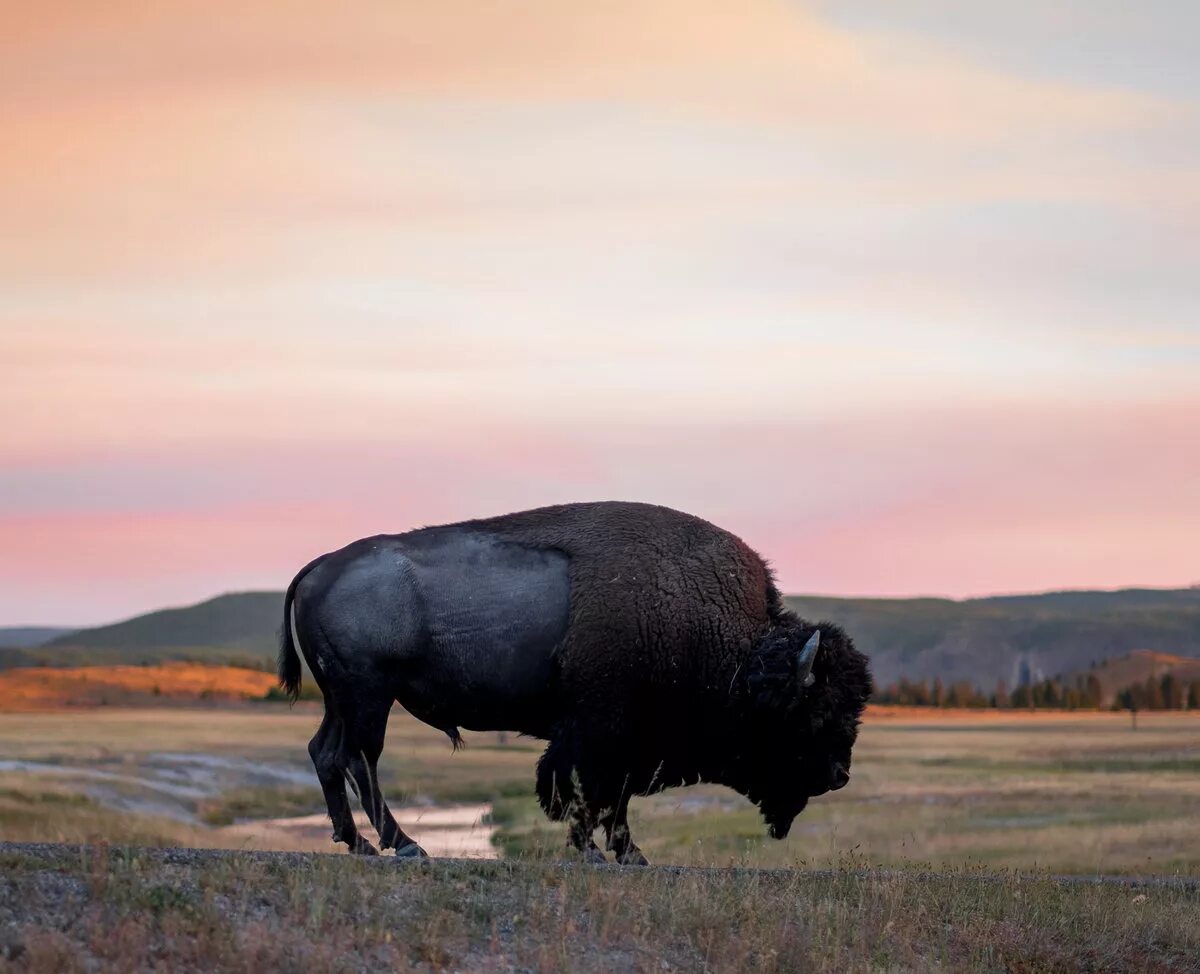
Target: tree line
(1159,693)
(1167,692)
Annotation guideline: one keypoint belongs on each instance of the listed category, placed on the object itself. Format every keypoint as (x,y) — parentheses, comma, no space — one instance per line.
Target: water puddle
(458,831)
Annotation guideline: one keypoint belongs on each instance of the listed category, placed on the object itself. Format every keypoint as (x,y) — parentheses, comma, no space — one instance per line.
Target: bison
(650,649)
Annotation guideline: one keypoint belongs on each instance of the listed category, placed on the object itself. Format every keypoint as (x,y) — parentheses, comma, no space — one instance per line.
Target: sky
(903,293)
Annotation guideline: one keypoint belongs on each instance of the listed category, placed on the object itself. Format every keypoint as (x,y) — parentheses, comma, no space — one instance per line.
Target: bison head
(803,695)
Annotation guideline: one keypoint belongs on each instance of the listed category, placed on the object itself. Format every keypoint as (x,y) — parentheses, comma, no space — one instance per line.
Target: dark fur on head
(842,682)
(804,734)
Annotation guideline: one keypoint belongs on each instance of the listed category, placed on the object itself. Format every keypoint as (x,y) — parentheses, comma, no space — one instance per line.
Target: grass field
(968,815)
(1067,793)
(41,688)
(119,910)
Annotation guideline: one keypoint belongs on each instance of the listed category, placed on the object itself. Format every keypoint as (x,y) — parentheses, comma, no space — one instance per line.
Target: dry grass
(1083,795)
(972,716)
(951,804)
(118,910)
(44,688)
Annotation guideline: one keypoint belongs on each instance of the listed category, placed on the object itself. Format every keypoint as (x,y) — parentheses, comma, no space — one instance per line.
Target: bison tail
(290,672)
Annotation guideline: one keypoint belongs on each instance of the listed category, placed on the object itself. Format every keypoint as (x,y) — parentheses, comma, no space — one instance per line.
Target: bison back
(664,606)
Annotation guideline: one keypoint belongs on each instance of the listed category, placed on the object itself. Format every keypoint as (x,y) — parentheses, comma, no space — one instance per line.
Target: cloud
(883,502)
(451,258)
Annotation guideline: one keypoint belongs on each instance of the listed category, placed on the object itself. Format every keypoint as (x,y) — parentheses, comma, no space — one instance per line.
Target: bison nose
(840,777)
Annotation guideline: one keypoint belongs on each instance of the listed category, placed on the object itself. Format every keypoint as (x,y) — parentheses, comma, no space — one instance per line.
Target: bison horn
(805,659)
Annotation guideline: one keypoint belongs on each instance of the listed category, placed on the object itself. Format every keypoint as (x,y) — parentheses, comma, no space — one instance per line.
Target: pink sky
(912,313)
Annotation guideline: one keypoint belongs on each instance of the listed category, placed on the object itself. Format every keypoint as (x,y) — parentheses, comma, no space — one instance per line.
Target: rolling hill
(239,628)
(981,640)
(24,637)
(1000,638)
(1121,672)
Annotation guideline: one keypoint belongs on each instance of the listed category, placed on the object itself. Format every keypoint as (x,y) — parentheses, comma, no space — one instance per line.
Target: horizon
(905,298)
(786,594)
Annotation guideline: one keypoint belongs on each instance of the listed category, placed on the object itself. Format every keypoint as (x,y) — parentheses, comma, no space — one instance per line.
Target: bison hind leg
(323,749)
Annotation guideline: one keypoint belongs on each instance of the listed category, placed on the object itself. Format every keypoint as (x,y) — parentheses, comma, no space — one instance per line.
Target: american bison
(649,647)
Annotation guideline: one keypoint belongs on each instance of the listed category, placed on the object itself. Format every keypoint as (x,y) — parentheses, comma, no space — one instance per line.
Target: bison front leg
(579,834)
(618,838)
(561,793)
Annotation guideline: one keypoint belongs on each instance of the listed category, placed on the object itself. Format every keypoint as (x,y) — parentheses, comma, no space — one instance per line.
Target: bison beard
(649,647)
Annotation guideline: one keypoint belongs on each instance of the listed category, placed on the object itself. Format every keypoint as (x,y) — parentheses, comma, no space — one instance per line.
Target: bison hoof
(594,856)
(363,847)
(411,851)
(633,857)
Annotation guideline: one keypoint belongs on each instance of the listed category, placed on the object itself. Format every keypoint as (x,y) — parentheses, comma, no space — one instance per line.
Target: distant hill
(239,628)
(1124,671)
(981,640)
(1000,638)
(23,637)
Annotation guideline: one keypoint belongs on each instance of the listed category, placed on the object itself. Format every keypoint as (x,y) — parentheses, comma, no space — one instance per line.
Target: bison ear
(805,659)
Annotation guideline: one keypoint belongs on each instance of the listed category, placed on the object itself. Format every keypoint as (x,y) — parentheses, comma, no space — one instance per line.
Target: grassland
(120,910)
(54,688)
(937,857)
(1071,793)
(1067,793)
